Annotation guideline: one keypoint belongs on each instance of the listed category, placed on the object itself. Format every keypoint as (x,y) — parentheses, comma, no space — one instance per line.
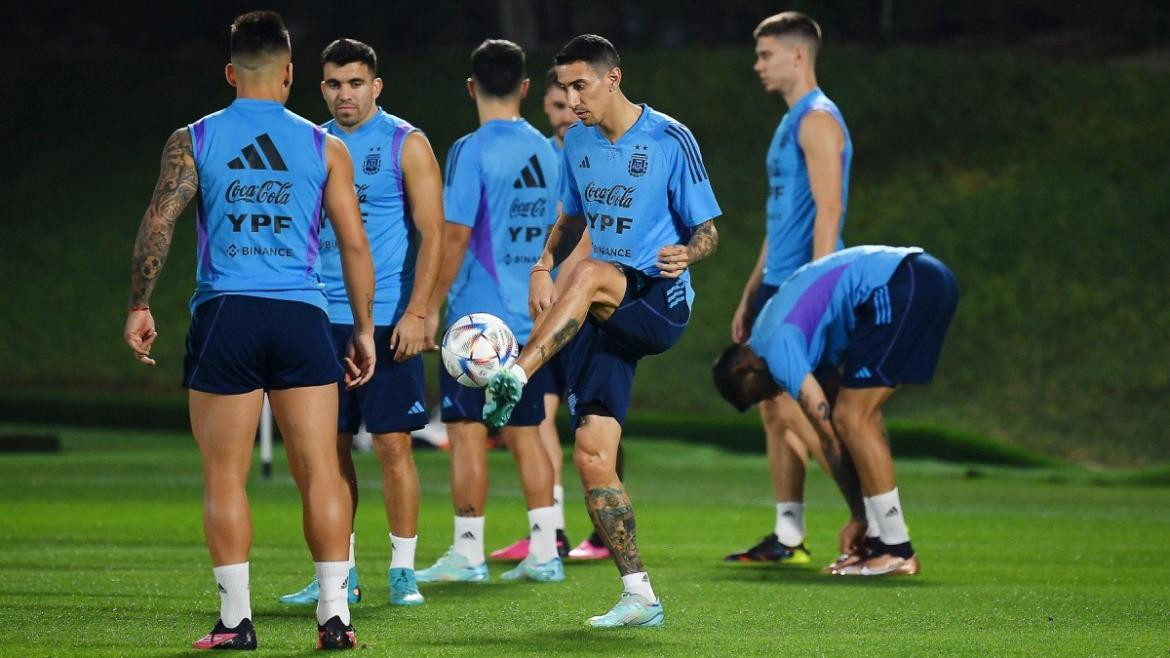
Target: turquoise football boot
(453,568)
(403,587)
(312,592)
(500,398)
(630,610)
(552,571)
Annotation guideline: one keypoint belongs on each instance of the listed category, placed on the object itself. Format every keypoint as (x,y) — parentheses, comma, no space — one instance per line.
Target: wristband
(538,268)
(139,308)
(420,317)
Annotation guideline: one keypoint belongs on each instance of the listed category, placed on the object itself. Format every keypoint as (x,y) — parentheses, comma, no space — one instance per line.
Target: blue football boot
(311,592)
(630,610)
(453,568)
(552,571)
(403,587)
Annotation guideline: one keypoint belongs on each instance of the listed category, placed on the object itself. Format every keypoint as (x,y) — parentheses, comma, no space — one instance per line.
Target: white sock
(639,583)
(887,508)
(402,551)
(519,373)
(872,530)
(469,538)
(542,529)
(790,522)
(559,504)
(351,562)
(333,579)
(235,600)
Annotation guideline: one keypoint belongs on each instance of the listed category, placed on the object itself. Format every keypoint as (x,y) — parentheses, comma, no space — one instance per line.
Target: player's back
(262,173)
(376,148)
(790,208)
(502,180)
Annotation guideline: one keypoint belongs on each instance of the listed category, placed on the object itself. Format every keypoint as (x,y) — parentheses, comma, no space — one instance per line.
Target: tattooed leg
(613,517)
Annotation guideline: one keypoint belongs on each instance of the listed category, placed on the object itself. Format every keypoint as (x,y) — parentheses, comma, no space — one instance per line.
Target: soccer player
(500,196)
(261,175)
(807,165)
(400,190)
(634,178)
(879,314)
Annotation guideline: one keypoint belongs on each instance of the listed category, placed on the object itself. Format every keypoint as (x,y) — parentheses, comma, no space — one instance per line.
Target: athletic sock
(333,579)
(559,504)
(469,538)
(639,583)
(543,534)
(519,374)
(872,529)
(351,561)
(887,507)
(402,551)
(790,523)
(235,600)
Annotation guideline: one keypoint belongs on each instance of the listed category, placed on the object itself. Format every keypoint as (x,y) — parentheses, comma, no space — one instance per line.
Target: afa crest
(373,163)
(638,164)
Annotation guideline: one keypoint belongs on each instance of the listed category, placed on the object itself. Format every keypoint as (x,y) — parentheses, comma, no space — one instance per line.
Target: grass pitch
(101,553)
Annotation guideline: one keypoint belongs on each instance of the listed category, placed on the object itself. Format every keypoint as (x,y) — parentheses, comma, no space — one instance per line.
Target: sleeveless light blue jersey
(502,181)
(790,210)
(262,174)
(808,321)
(645,192)
(376,149)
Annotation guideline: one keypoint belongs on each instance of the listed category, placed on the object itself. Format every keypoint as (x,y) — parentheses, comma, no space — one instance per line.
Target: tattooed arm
(177,184)
(674,259)
(816,406)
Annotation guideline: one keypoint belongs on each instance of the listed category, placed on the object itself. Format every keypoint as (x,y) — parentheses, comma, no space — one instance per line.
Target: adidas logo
(584,163)
(252,156)
(222,589)
(345,584)
(536,527)
(417,408)
(675,295)
(893,512)
(862,374)
(468,535)
(789,513)
(531,176)
(446,402)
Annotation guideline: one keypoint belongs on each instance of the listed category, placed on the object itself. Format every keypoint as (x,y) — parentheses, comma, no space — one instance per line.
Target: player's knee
(849,419)
(587,273)
(393,449)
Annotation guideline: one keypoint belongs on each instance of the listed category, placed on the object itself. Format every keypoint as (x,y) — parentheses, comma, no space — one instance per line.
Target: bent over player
(260,175)
(634,178)
(879,315)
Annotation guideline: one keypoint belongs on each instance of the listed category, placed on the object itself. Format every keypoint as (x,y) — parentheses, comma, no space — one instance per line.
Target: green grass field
(101,553)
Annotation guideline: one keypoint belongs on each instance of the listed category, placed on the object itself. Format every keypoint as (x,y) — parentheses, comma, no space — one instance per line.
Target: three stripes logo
(417,408)
(863,373)
(690,150)
(676,294)
(446,403)
(883,312)
(469,535)
(584,164)
(253,159)
(531,175)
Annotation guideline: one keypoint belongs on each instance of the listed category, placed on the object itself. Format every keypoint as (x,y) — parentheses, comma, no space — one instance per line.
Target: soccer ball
(476,347)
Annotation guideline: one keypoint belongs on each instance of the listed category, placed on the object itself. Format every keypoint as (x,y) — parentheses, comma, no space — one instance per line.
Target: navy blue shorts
(558,374)
(763,294)
(466,403)
(238,343)
(392,401)
(602,357)
(901,327)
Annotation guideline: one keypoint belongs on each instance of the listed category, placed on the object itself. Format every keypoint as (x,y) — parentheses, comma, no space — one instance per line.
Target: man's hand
(359,359)
(673,260)
(741,324)
(409,337)
(852,537)
(542,292)
(140,334)
(431,329)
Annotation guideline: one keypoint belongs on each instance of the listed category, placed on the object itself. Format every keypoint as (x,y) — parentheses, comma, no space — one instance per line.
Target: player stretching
(500,197)
(400,189)
(808,189)
(880,314)
(636,181)
(258,323)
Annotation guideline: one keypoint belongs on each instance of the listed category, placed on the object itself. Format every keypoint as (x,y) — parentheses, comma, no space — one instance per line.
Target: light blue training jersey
(376,149)
(645,192)
(502,181)
(808,321)
(790,211)
(262,174)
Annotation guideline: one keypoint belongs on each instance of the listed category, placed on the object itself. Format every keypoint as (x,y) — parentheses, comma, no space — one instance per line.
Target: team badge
(638,164)
(373,161)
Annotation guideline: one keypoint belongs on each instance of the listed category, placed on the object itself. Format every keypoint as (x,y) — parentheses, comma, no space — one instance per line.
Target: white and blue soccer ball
(476,347)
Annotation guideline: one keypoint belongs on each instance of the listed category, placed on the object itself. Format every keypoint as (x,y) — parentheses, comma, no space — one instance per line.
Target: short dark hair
(348,51)
(734,388)
(594,50)
(259,34)
(550,79)
(498,67)
(790,23)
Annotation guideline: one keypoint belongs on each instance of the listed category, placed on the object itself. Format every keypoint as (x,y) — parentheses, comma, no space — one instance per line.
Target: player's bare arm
(741,322)
(823,141)
(815,405)
(673,260)
(424,193)
(178,182)
(341,205)
(456,237)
